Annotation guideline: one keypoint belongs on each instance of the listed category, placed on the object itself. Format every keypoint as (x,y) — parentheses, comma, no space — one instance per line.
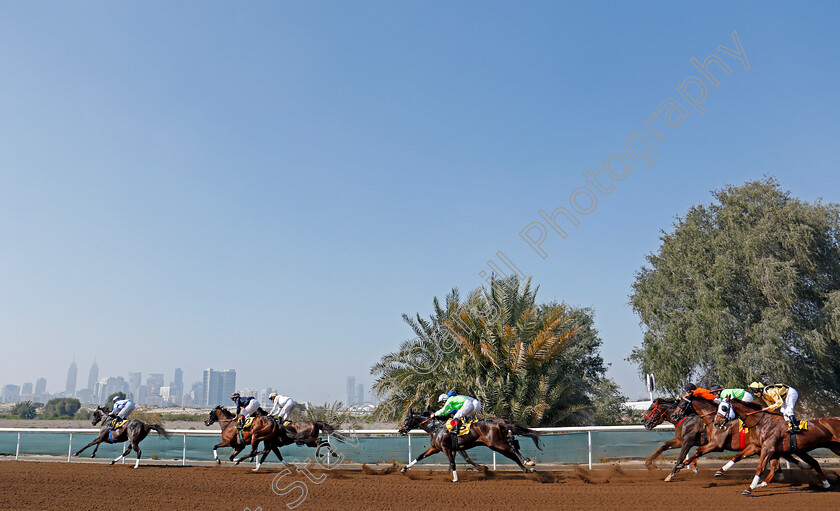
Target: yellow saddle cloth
(741,427)
(803,425)
(248,422)
(118,424)
(287,423)
(465,427)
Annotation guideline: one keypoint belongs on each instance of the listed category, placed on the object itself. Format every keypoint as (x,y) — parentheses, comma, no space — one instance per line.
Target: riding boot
(794,424)
(240,423)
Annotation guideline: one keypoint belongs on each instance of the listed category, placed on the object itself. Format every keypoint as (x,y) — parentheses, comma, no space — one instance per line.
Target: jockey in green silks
(460,407)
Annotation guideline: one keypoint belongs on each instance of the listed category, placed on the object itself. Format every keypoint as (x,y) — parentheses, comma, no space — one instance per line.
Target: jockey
(692,391)
(283,406)
(460,407)
(779,397)
(723,396)
(247,405)
(122,409)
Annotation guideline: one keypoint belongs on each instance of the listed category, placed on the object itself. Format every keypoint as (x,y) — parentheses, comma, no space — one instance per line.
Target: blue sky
(268,188)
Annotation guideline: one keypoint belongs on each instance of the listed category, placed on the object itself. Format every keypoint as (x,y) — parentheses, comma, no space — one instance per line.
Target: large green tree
(537,364)
(746,288)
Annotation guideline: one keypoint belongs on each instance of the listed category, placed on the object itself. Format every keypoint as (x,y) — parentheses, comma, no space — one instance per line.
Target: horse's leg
(816,466)
(467,459)
(686,446)
(746,453)
(122,456)
(223,443)
(451,455)
(95,442)
(136,446)
(429,452)
(670,444)
(766,453)
(514,455)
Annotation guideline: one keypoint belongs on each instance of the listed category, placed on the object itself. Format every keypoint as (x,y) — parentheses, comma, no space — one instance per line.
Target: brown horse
(727,436)
(134,431)
(262,429)
(772,430)
(688,431)
(495,433)
(306,433)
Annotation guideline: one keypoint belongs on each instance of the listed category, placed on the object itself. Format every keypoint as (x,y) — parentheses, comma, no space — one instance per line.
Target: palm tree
(534,364)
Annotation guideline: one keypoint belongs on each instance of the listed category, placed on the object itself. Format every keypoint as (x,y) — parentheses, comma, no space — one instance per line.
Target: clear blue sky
(269,187)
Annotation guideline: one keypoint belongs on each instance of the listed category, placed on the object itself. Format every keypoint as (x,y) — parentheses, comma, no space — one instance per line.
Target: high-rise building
(26,392)
(10,394)
(177,386)
(70,388)
(153,384)
(218,386)
(197,394)
(40,388)
(134,382)
(351,391)
(360,394)
(93,375)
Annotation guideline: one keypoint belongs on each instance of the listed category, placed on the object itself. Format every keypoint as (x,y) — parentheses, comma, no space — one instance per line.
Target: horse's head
(98,414)
(412,421)
(725,413)
(682,409)
(659,410)
(211,417)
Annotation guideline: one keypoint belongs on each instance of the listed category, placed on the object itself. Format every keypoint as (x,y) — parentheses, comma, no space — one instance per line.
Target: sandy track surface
(70,486)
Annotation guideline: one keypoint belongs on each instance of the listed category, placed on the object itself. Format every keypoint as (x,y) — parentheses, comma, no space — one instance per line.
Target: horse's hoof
(218,462)
(255,470)
(112,462)
(746,492)
(826,484)
(92,455)
(719,473)
(668,479)
(762,484)
(529,463)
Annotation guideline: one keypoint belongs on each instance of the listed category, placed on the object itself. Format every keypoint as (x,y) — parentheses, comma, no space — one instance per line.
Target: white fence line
(361,432)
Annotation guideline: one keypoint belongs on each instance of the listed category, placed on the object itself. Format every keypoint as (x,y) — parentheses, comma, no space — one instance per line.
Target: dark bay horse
(133,431)
(688,431)
(772,431)
(727,436)
(495,433)
(263,429)
(306,433)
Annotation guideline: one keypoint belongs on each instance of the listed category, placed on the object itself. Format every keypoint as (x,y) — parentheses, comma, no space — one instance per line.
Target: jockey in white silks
(283,406)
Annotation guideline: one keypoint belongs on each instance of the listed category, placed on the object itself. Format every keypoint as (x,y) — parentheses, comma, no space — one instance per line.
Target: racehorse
(495,433)
(727,436)
(306,433)
(133,431)
(263,429)
(688,431)
(772,431)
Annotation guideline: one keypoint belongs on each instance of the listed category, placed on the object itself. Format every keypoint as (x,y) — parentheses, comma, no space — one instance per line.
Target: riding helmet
(442,397)
(715,388)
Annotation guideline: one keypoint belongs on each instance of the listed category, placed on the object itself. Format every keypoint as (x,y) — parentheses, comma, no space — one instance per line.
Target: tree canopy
(62,407)
(746,288)
(537,364)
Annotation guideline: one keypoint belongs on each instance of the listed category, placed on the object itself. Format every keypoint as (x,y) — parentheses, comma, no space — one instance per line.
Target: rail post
(589,435)
(409,448)
(494,460)
(70,447)
(17,449)
(184,455)
(329,448)
(123,460)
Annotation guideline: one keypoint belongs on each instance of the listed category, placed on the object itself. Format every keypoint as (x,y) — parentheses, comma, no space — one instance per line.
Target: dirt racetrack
(80,486)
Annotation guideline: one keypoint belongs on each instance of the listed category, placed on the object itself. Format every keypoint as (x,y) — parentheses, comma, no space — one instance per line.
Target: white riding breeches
(286,410)
(790,402)
(251,408)
(126,411)
(470,407)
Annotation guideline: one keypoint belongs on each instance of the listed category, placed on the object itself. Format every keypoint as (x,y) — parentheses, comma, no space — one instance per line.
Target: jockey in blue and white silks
(122,408)
(246,405)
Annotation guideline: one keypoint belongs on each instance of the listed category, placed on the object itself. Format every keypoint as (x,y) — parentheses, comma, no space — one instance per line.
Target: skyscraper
(360,394)
(70,388)
(134,382)
(351,391)
(178,386)
(153,384)
(93,376)
(40,386)
(218,386)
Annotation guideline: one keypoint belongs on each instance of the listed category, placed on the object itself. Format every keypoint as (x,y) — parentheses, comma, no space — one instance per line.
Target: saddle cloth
(248,422)
(465,427)
(803,425)
(742,435)
(118,424)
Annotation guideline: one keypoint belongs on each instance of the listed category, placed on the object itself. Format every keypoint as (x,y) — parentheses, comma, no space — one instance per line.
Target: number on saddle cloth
(465,426)
(248,422)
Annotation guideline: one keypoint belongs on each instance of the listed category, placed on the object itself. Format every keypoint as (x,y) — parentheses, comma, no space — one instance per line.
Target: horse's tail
(160,430)
(516,429)
(326,428)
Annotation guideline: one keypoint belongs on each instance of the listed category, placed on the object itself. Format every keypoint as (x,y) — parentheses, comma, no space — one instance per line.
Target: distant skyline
(270,187)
